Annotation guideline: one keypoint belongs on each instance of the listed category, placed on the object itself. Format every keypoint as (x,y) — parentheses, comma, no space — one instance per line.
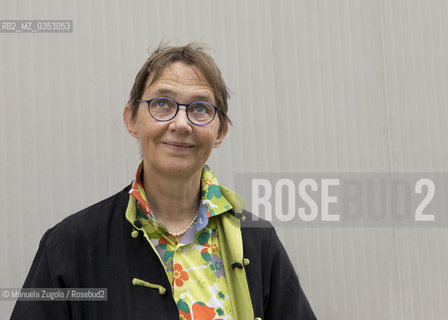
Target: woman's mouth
(178,146)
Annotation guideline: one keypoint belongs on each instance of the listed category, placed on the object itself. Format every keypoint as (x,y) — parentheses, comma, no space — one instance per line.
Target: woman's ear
(129,121)
(221,135)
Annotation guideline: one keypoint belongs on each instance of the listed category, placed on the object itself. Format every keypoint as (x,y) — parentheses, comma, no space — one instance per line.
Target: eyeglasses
(164,109)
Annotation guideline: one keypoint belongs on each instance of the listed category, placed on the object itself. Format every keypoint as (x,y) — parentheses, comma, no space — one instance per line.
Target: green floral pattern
(195,269)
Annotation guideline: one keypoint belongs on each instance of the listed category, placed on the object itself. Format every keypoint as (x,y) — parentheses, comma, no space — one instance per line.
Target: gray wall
(363,85)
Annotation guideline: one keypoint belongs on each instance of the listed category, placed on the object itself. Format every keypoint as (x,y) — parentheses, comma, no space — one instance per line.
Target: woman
(175,243)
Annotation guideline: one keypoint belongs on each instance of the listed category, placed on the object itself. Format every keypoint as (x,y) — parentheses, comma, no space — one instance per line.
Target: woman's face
(176,147)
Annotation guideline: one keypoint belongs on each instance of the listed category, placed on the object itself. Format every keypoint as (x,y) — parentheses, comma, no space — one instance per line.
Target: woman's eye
(162,104)
(200,108)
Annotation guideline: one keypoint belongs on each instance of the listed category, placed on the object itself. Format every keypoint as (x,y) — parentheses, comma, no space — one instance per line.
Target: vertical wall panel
(318,86)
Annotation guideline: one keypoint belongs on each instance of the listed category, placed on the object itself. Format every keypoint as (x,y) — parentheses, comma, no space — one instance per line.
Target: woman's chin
(180,169)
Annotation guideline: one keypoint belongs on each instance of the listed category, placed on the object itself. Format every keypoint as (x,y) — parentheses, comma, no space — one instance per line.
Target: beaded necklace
(180,233)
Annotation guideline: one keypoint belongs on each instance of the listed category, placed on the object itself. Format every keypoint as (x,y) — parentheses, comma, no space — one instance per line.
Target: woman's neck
(174,200)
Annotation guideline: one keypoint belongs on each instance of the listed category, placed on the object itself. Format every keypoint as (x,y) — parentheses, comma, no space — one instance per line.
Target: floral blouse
(192,263)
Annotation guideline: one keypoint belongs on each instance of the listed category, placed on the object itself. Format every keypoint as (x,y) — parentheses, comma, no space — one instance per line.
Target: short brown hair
(192,54)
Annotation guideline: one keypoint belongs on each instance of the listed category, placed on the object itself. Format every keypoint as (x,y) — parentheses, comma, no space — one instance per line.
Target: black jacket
(94,249)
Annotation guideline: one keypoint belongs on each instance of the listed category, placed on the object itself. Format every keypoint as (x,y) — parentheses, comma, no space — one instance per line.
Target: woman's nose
(181,121)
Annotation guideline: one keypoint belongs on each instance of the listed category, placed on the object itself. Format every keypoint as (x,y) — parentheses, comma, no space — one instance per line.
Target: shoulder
(260,241)
(258,234)
(90,221)
(251,224)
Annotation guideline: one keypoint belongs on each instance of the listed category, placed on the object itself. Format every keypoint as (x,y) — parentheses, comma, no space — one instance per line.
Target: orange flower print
(214,247)
(202,312)
(207,181)
(179,275)
(210,248)
(205,248)
(184,315)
